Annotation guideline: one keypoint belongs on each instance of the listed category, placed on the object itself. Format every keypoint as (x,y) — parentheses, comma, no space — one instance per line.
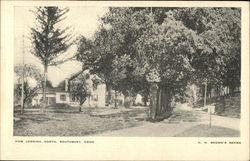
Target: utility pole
(22,97)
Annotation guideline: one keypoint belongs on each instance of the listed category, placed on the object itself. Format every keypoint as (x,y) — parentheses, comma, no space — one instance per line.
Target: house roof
(61,85)
(50,90)
(75,75)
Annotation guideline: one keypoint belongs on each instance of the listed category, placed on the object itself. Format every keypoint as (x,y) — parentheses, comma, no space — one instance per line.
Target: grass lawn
(67,121)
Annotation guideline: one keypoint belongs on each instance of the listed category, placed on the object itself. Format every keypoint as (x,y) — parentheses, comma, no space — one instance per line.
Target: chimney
(66,84)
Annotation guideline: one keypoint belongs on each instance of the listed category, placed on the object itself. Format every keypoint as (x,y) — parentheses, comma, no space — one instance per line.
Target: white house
(61,94)
(97,98)
(53,96)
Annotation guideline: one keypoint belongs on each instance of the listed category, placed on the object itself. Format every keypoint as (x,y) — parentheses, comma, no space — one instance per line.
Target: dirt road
(184,122)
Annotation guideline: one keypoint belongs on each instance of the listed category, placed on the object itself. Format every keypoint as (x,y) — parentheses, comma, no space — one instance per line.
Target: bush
(127,104)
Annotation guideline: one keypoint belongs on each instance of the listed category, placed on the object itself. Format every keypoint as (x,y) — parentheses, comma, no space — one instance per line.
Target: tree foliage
(80,88)
(170,46)
(113,54)
(219,29)
(32,82)
(49,39)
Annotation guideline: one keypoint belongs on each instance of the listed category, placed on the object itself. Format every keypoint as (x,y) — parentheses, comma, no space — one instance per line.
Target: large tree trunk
(153,101)
(44,87)
(160,102)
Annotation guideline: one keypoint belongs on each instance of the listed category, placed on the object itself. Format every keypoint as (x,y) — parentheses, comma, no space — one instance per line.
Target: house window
(63,97)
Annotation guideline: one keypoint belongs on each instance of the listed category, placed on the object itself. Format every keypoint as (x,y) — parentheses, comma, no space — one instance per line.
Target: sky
(82,20)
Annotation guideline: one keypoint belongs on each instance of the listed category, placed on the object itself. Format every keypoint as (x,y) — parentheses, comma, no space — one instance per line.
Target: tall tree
(126,45)
(99,57)
(49,39)
(166,50)
(126,26)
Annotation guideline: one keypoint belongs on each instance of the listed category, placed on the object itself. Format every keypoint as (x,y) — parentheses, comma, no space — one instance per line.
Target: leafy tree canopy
(171,46)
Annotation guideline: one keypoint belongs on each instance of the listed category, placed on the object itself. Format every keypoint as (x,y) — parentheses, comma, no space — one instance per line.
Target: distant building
(138,100)
(53,96)
(62,94)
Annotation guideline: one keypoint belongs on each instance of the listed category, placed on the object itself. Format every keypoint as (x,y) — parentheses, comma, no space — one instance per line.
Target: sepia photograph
(127,71)
(124,80)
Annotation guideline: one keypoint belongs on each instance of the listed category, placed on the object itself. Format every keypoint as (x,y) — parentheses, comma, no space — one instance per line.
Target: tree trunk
(22,107)
(133,98)
(24,103)
(115,99)
(127,98)
(108,95)
(153,101)
(89,101)
(82,100)
(160,106)
(22,94)
(80,108)
(145,100)
(44,87)
(126,101)
(205,96)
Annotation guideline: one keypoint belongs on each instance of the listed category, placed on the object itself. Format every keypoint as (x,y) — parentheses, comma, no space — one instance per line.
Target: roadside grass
(203,130)
(231,107)
(67,121)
